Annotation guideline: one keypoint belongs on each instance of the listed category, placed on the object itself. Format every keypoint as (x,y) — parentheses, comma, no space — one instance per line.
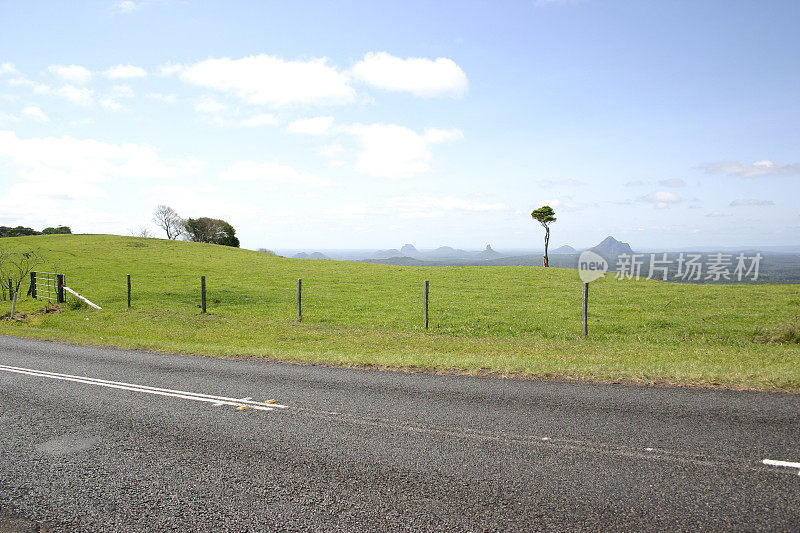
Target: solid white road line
(788,464)
(199,397)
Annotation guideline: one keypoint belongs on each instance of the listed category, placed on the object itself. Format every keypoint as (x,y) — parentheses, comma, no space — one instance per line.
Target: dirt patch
(20,316)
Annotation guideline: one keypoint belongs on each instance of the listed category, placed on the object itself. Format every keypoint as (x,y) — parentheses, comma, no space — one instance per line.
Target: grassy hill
(508,320)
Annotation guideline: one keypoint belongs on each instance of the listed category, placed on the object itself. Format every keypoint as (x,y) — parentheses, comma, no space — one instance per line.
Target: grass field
(504,320)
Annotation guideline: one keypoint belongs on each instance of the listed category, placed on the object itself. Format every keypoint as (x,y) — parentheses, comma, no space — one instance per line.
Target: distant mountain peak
(488,253)
(409,250)
(611,248)
(566,249)
(315,255)
(387,254)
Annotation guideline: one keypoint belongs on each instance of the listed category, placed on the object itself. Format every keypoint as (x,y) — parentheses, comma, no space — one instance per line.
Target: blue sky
(373,124)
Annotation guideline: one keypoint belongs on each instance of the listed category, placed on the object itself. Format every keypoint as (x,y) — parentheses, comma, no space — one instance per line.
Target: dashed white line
(247,403)
(787,464)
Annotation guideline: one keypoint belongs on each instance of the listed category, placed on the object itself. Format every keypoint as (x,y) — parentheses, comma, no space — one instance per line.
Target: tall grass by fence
(520,306)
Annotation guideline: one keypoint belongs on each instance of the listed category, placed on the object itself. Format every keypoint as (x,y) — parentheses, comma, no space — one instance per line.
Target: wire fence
(471,306)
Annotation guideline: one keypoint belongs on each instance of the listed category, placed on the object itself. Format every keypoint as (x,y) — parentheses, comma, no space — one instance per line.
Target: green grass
(504,320)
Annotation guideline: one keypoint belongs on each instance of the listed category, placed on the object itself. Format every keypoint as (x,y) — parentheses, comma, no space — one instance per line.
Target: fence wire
(473,307)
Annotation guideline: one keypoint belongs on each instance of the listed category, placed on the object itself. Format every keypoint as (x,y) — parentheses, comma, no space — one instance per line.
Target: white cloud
(334,153)
(356,211)
(206,104)
(635,183)
(38,88)
(717,214)
(556,203)
(413,207)
(68,168)
(311,126)
(433,207)
(674,182)
(111,104)
(419,76)
(122,91)
(662,199)
(169,68)
(271,171)
(111,101)
(391,151)
(263,119)
(5,118)
(269,80)
(436,135)
(8,68)
(125,72)
(128,6)
(71,73)
(203,199)
(757,169)
(750,203)
(35,113)
(78,96)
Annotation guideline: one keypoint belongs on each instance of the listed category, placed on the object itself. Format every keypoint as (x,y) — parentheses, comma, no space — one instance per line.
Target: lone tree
(544,215)
(167,219)
(211,230)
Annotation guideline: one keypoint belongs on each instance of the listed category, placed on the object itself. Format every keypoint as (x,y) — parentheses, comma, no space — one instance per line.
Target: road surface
(113,440)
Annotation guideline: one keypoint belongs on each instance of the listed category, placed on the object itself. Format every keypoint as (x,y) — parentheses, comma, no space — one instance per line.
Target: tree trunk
(546,242)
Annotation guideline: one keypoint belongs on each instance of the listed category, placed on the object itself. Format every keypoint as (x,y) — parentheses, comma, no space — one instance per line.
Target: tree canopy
(58,230)
(544,215)
(211,230)
(19,231)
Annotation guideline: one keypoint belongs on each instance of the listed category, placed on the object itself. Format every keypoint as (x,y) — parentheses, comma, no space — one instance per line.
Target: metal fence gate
(47,286)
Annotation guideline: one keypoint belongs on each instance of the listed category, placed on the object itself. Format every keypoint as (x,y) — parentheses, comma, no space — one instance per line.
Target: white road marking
(196,396)
(788,464)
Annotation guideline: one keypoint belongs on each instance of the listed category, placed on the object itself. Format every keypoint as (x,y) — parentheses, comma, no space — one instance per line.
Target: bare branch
(167,219)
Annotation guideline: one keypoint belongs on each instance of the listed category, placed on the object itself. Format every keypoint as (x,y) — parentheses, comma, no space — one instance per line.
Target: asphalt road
(367,450)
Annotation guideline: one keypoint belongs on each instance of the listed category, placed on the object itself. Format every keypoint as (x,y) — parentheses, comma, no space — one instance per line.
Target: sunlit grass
(507,320)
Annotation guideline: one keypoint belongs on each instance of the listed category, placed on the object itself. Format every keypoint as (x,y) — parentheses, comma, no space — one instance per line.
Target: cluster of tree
(203,229)
(58,230)
(21,231)
(211,230)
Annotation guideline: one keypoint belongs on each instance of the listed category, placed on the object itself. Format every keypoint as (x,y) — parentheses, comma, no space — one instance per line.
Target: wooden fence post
(33,285)
(203,293)
(129,290)
(299,300)
(60,288)
(425,304)
(585,311)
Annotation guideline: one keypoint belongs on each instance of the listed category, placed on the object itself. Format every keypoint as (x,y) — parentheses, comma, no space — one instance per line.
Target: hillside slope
(513,320)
